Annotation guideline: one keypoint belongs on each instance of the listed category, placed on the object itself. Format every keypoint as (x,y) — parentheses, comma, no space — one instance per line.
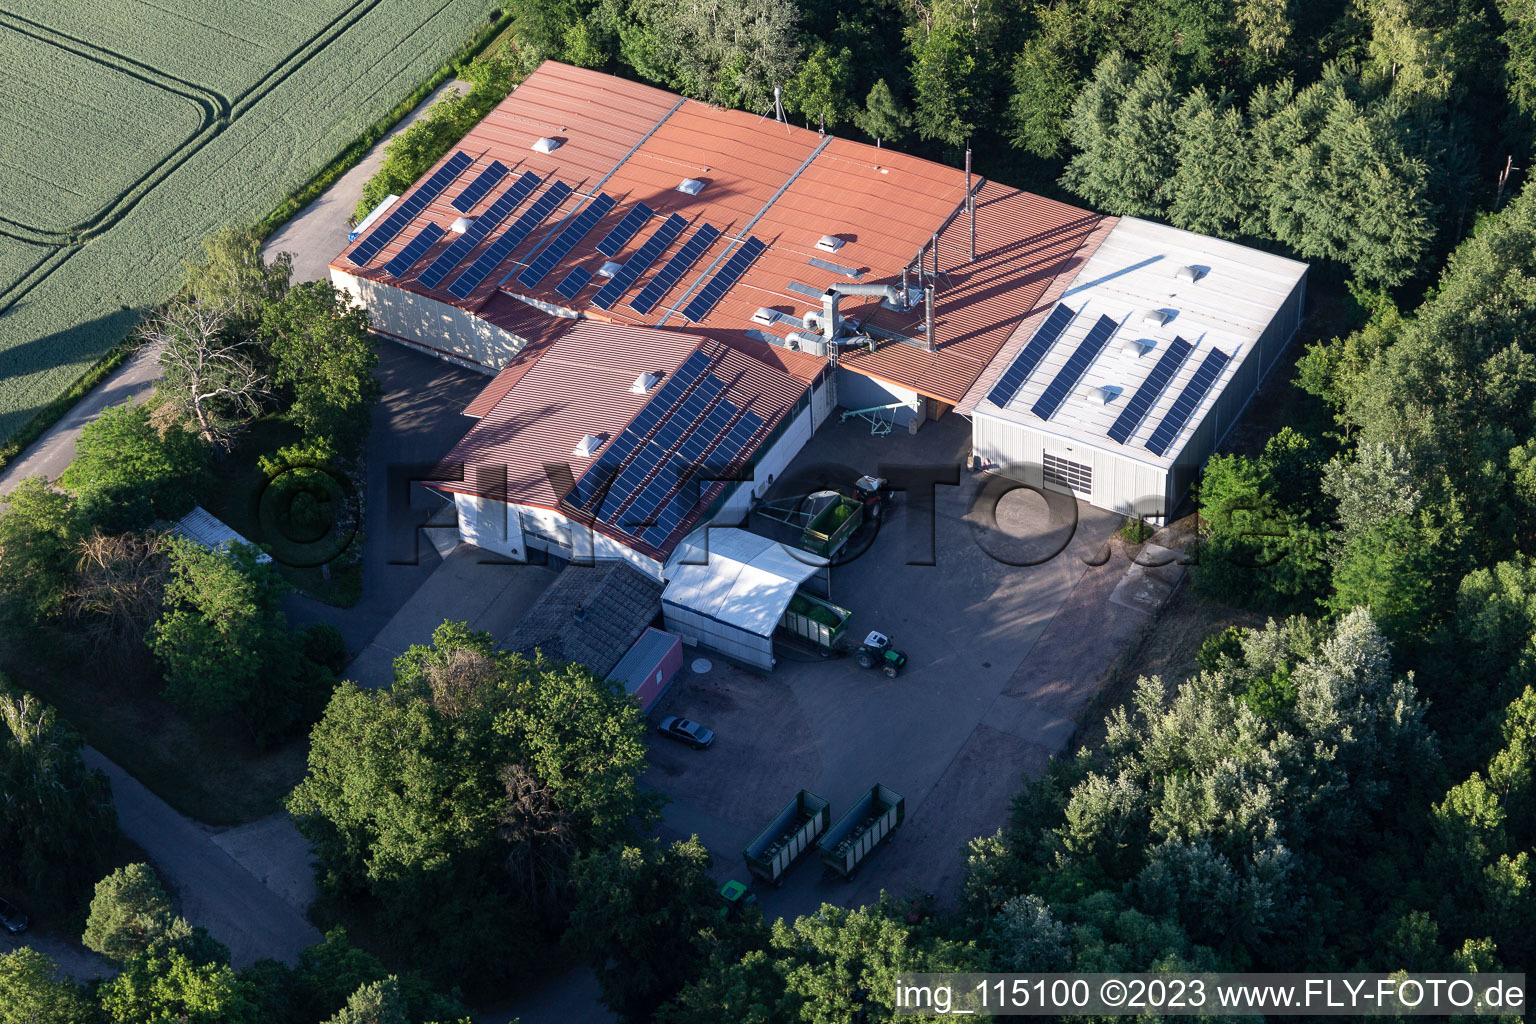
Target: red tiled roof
(579,385)
(786,186)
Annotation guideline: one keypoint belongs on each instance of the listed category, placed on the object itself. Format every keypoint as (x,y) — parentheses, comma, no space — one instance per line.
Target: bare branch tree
(541,836)
(119,590)
(209,376)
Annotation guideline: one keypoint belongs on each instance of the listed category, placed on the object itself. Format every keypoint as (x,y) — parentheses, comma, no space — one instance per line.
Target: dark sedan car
(12,919)
(684,731)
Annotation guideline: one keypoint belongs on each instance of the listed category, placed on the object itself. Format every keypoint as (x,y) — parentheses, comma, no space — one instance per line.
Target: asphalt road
(214,890)
(50,454)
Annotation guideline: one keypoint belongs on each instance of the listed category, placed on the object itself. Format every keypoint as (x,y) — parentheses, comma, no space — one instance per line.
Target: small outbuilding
(202,527)
(729,589)
(650,666)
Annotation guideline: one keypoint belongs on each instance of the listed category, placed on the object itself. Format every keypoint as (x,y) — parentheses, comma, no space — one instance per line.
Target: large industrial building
(673,297)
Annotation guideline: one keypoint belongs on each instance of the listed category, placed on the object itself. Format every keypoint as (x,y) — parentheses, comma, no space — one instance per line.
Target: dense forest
(1350,787)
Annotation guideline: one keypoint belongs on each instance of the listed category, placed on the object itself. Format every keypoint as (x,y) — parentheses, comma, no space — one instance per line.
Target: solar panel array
(1025,362)
(407,211)
(654,246)
(1077,365)
(1189,399)
(414,250)
(574,282)
(647,480)
(676,267)
(555,251)
(625,229)
(483,225)
(483,183)
(1151,389)
(721,283)
(509,240)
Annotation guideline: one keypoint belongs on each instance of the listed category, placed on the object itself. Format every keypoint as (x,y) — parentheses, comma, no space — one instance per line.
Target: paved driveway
(968,717)
(52,453)
(319,231)
(214,890)
(418,419)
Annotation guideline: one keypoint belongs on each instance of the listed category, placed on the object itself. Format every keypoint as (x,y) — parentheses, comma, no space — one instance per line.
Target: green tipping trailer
(820,622)
(790,834)
(877,814)
(831,527)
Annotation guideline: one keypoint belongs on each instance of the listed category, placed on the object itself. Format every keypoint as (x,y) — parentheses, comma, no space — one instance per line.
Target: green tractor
(877,650)
(737,898)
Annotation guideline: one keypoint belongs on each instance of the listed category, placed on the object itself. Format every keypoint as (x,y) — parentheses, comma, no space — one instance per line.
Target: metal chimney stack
(933,343)
(970,200)
(778,103)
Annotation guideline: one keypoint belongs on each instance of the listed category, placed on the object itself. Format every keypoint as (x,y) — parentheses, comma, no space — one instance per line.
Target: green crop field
(131,130)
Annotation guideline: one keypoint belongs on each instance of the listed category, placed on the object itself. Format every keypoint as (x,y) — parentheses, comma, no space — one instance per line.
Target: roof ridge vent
(830,243)
(547,145)
(461,225)
(1191,273)
(644,383)
(587,446)
(1156,317)
(692,186)
(1109,392)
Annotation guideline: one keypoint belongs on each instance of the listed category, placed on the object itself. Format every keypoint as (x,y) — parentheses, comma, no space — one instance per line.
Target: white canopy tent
(728,590)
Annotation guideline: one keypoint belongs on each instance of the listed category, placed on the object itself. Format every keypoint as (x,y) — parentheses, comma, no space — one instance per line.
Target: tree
(882,117)
(1027,937)
(1045,82)
(1126,129)
(636,918)
(235,278)
(1354,194)
(126,473)
(376,1002)
(1253,550)
(165,986)
(39,528)
(1213,185)
(32,996)
(57,822)
(322,350)
(210,376)
(224,644)
(457,798)
(118,590)
(129,911)
(1266,26)
(820,89)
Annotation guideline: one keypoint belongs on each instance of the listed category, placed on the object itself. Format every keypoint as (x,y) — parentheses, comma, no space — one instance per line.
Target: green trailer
(811,618)
(877,814)
(790,834)
(830,528)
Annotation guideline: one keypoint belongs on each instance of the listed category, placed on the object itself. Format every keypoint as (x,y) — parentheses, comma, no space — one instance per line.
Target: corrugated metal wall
(745,647)
(428,322)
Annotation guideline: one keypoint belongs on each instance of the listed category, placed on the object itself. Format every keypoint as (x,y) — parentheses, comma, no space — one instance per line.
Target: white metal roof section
(744,580)
(201,527)
(1141,267)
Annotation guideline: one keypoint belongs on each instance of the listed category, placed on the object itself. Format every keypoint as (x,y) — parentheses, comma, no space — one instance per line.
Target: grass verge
(51,413)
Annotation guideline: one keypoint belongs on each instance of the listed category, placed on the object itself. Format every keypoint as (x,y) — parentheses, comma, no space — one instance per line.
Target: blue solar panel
(594,481)
(482,226)
(676,267)
(1151,389)
(731,446)
(721,283)
(407,210)
(414,250)
(509,240)
(574,282)
(483,183)
(1189,399)
(654,246)
(566,240)
(625,229)
(1077,365)
(1025,362)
